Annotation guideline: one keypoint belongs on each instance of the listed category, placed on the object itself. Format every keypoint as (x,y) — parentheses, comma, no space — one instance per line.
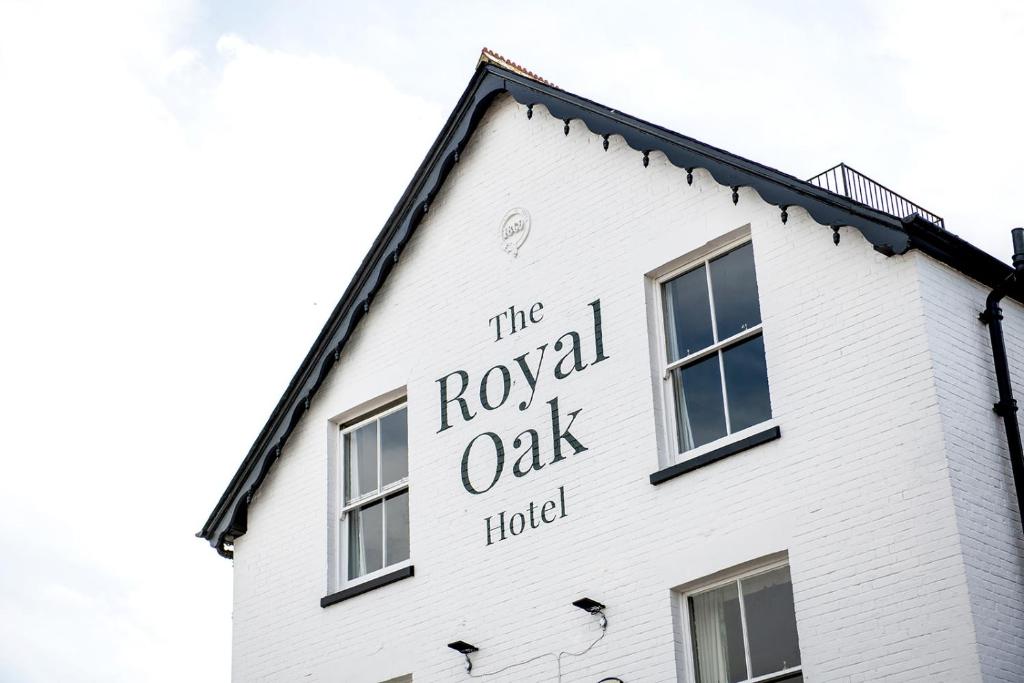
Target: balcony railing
(845,181)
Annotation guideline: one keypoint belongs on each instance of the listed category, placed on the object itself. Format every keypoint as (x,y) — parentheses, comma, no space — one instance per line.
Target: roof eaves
(888,235)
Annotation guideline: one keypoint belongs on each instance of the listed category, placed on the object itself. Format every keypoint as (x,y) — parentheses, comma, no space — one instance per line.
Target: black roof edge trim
(958,253)
(354,303)
(887,234)
(774,187)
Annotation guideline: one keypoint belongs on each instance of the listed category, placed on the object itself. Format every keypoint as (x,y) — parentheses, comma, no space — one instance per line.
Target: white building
(588,357)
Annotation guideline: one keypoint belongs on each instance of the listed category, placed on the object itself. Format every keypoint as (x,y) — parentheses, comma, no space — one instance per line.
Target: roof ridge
(489,56)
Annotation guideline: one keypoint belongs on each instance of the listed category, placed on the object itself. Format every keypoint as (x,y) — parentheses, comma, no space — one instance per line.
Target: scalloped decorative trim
(228,520)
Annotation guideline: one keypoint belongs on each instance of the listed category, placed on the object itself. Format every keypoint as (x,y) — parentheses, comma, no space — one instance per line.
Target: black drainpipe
(1006,408)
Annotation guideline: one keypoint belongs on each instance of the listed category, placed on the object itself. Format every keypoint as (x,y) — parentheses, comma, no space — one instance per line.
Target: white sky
(186,189)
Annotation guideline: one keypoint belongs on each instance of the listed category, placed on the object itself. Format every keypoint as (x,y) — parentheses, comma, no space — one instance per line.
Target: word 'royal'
(495,389)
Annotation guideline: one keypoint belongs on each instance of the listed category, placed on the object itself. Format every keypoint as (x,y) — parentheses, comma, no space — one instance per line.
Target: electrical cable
(558,657)
(512,666)
(604,630)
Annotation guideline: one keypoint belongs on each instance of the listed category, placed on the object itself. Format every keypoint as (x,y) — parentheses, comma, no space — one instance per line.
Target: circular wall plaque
(515,228)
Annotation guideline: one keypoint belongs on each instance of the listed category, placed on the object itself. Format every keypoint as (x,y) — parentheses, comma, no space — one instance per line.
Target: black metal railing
(854,185)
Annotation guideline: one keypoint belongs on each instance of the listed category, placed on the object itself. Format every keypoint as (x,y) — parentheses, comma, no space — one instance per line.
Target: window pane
(700,414)
(365,538)
(734,286)
(771,624)
(394,447)
(688,314)
(361,461)
(397,539)
(718,636)
(746,383)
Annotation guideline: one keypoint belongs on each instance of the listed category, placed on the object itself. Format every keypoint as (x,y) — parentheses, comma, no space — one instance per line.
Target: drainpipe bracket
(1005,407)
(988,316)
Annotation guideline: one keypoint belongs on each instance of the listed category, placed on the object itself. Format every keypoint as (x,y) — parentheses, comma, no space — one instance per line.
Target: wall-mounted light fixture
(465,649)
(592,606)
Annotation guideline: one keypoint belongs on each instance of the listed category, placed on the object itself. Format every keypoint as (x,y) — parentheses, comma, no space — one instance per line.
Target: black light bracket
(592,606)
(465,649)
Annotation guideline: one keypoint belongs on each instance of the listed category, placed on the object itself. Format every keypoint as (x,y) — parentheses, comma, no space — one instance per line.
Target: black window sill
(673,471)
(372,584)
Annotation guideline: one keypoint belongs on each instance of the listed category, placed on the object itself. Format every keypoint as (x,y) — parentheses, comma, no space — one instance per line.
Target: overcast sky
(186,189)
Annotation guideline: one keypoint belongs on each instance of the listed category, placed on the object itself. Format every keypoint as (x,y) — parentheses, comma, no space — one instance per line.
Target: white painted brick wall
(886,488)
(983,493)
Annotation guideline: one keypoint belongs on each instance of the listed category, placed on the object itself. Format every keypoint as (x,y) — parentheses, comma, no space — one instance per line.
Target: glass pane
(746,383)
(771,624)
(700,414)
(365,538)
(361,461)
(397,539)
(688,314)
(734,286)
(718,636)
(394,447)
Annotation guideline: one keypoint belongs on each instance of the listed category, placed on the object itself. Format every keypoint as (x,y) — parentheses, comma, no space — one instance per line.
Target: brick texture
(889,488)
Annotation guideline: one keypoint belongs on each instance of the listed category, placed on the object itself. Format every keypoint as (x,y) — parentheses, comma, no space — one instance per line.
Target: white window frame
(666,367)
(341,518)
(736,576)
